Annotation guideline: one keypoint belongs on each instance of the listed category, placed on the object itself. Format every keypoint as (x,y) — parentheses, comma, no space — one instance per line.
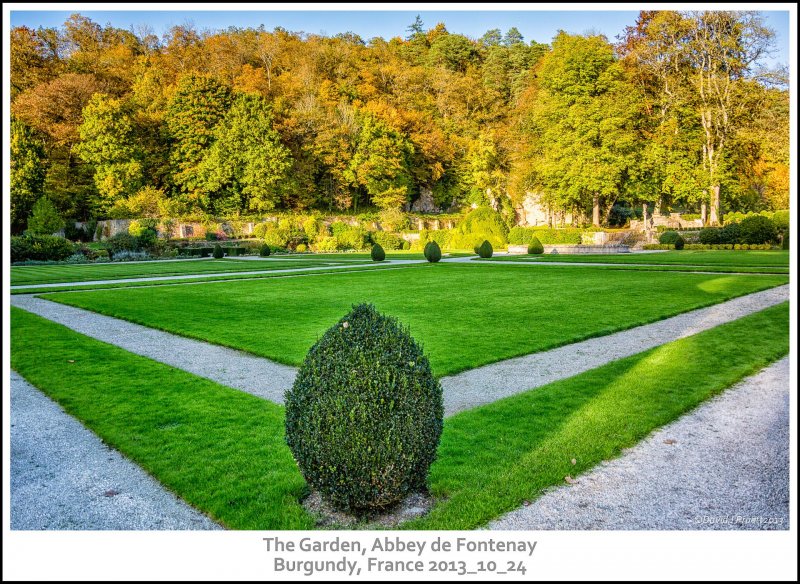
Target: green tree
(28,169)
(107,143)
(44,219)
(583,125)
(380,163)
(246,165)
(197,106)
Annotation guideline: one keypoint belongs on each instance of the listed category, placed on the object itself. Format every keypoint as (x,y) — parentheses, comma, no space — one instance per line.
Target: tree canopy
(244,121)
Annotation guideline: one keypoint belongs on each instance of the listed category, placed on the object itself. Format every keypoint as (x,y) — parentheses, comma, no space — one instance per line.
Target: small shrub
(218,253)
(535,246)
(301,248)
(44,219)
(679,242)
(757,229)
(364,415)
(433,253)
(485,250)
(377,253)
(122,242)
(264,250)
(668,237)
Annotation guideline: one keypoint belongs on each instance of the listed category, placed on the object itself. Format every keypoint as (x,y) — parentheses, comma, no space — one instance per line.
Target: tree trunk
(716,217)
(657,208)
(644,215)
(596,211)
(704,212)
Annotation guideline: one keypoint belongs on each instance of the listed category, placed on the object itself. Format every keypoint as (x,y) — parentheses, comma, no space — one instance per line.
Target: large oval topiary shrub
(535,246)
(485,250)
(679,242)
(364,416)
(377,254)
(218,252)
(433,253)
(264,250)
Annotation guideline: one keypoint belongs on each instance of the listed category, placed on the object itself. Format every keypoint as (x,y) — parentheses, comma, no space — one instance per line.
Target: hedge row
(706,246)
(546,235)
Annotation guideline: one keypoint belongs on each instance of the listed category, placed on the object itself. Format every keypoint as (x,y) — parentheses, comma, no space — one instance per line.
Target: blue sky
(540,26)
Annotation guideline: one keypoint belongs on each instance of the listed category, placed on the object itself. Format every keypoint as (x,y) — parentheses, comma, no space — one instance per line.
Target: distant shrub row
(545,235)
(706,246)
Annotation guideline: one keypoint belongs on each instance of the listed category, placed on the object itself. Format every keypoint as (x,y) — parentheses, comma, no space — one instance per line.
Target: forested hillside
(240,122)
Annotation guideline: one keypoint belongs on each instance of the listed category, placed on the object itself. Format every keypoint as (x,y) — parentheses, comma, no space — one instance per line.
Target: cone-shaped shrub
(364,416)
(535,246)
(433,253)
(377,253)
(264,251)
(679,242)
(218,253)
(485,250)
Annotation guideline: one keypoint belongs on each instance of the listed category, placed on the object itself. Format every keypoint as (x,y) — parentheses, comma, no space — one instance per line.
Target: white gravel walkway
(724,466)
(483,385)
(492,382)
(243,371)
(64,477)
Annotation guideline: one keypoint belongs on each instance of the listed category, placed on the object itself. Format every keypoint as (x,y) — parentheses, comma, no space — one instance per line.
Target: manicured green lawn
(465,315)
(31,275)
(223,450)
(220,449)
(493,458)
(326,268)
(720,258)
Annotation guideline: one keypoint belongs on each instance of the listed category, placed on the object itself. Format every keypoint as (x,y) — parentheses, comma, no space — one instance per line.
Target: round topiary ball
(364,416)
(535,246)
(218,253)
(433,252)
(679,242)
(264,251)
(485,250)
(377,253)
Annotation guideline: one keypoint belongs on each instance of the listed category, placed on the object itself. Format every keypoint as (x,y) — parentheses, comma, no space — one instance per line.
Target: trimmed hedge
(40,248)
(485,249)
(757,229)
(433,252)
(365,413)
(483,223)
(387,240)
(545,235)
(377,254)
(669,237)
(535,246)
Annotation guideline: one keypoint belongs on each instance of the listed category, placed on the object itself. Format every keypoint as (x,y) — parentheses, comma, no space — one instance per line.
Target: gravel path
(728,468)
(64,477)
(269,380)
(230,367)
(492,382)
(348,266)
